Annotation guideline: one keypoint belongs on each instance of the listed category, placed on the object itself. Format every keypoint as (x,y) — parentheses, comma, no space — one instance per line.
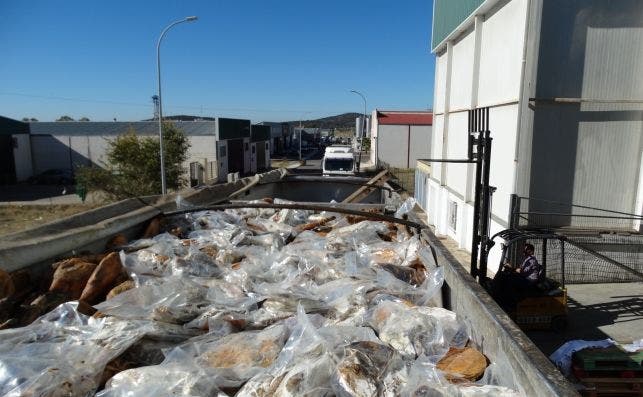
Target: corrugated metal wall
(589,153)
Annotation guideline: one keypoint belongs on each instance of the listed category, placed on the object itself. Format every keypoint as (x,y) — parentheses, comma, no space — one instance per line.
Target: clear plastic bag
(308,360)
(412,331)
(369,369)
(234,358)
(406,207)
(425,380)
(348,237)
(174,300)
(62,353)
(162,380)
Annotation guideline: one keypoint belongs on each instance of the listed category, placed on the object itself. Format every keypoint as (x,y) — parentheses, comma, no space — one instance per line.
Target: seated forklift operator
(515,284)
(530,270)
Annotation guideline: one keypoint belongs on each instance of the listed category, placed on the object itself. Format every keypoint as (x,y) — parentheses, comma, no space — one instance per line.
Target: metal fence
(530,213)
(600,245)
(600,258)
(405,177)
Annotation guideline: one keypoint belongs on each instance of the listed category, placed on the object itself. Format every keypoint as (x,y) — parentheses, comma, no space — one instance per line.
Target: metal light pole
(158,67)
(363,132)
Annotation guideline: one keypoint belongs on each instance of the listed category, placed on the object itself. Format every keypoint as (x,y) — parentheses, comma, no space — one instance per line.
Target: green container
(608,359)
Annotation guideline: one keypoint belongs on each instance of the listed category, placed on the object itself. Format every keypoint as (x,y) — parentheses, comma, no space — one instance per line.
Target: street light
(363,132)
(158,67)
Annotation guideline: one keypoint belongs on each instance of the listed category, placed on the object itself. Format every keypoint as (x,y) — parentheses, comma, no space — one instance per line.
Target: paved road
(313,163)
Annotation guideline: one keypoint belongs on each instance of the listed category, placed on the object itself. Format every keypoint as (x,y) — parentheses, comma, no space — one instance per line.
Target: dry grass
(16,218)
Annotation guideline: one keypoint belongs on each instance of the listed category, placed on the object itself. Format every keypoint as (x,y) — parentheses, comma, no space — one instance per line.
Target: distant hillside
(340,121)
(185,117)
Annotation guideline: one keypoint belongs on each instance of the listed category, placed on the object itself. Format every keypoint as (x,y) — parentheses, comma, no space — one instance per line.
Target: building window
(222,151)
(453,215)
(246,146)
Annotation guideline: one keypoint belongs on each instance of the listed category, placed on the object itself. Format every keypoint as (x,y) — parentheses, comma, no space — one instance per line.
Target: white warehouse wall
(59,151)
(501,49)
(462,73)
(481,67)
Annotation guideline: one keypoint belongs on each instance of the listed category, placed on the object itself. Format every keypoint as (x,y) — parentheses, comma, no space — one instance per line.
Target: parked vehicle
(338,160)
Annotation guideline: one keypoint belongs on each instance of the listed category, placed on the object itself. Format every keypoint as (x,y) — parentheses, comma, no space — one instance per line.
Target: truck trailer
(262,286)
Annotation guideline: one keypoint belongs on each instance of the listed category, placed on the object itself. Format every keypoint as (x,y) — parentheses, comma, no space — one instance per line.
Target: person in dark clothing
(515,284)
(530,269)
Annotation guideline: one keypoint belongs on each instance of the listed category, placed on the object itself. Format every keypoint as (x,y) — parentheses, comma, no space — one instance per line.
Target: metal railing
(602,245)
(531,213)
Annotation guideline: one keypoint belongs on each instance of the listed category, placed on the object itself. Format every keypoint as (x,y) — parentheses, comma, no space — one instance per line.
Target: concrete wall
(66,152)
(480,67)
(22,157)
(401,146)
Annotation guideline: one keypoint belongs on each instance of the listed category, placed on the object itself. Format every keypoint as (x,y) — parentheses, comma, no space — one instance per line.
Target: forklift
(545,306)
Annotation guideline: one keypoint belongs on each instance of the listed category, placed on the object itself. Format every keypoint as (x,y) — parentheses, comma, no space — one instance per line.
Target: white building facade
(562,85)
(400,138)
(67,145)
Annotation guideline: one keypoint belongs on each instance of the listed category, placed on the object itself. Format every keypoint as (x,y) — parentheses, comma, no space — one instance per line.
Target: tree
(33,120)
(65,118)
(25,119)
(133,165)
(83,119)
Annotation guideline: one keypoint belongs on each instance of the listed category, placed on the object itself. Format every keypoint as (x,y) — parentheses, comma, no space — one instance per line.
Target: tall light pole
(363,130)
(158,68)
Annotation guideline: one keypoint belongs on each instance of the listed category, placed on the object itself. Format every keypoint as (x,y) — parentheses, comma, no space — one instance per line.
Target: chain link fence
(598,258)
(404,177)
(599,245)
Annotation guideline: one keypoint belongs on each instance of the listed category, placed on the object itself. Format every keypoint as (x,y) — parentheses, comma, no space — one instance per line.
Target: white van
(338,160)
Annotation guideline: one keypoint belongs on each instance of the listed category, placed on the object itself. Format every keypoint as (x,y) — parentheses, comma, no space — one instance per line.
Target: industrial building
(400,138)
(217,147)
(260,138)
(15,156)
(279,135)
(233,147)
(562,85)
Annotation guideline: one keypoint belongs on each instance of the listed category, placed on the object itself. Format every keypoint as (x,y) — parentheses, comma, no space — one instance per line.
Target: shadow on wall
(588,153)
(51,153)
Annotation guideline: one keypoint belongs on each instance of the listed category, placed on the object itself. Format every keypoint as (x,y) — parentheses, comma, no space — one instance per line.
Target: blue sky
(264,60)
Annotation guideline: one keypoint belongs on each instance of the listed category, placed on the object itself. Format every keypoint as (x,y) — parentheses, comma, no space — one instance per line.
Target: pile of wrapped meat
(251,302)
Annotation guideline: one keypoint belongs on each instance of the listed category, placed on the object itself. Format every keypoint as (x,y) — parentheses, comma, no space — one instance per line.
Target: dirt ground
(16,218)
